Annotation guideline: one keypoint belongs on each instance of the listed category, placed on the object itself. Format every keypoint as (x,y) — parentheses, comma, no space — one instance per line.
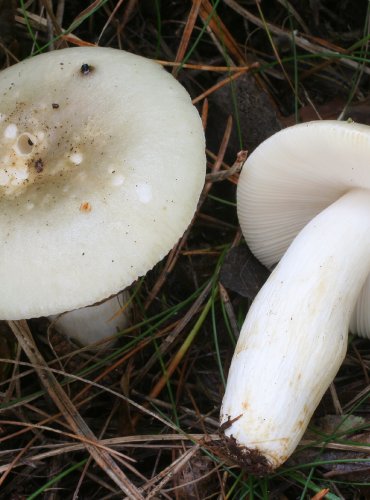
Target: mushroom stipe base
(248,459)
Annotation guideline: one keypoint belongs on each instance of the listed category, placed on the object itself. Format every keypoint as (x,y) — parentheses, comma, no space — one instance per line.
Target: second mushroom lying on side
(303,200)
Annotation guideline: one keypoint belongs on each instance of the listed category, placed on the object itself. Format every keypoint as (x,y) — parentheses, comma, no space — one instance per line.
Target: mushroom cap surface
(293,176)
(101,166)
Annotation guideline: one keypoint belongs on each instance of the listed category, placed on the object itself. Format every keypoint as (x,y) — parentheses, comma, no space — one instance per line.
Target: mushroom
(93,324)
(101,166)
(304,200)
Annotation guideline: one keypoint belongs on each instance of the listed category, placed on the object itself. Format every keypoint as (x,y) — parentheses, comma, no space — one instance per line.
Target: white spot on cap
(18,174)
(40,135)
(2,117)
(4,178)
(21,173)
(76,158)
(11,131)
(30,205)
(117,180)
(144,192)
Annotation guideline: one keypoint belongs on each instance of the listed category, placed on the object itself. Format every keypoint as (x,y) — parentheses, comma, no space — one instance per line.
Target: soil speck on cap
(39,166)
(85,207)
(86,69)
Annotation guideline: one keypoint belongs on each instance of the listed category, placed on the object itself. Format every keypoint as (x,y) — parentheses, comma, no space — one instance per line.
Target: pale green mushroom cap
(101,166)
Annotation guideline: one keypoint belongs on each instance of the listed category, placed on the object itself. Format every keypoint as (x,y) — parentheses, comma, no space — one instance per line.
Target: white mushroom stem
(294,338)
(92,324)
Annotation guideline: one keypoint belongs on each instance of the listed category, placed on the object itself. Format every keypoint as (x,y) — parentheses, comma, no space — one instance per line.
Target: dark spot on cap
(39,166)
(86,69)
(55,105)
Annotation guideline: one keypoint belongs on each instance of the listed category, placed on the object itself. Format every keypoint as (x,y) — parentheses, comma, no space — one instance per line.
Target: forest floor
(153,398)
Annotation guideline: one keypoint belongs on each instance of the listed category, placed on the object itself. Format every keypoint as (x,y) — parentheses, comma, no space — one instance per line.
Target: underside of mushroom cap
(101,166)
(293,176)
